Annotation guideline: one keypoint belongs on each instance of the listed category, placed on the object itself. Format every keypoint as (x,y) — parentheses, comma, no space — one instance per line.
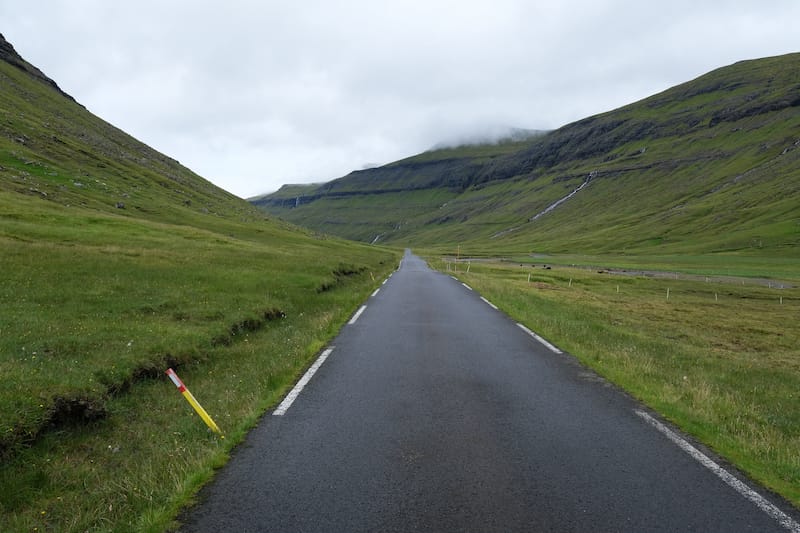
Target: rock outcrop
(9,55)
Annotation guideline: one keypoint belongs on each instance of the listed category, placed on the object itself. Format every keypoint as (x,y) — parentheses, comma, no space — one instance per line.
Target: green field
(718,358)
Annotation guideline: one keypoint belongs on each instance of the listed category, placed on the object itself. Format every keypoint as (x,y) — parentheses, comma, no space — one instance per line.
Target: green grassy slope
(115,263)
(708,166)
(54,149)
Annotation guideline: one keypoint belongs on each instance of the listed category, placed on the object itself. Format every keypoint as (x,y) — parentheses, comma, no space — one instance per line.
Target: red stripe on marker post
(176,380)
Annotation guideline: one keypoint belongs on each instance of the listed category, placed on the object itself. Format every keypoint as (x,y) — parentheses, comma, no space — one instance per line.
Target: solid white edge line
(467,286)
(773,512)
(538,338)
(355,316)
(295,392)
(376,292)
(490,303)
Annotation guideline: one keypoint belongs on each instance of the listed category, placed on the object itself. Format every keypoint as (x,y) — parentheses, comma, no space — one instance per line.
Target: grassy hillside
(709,166)
(117,263)
(52,148)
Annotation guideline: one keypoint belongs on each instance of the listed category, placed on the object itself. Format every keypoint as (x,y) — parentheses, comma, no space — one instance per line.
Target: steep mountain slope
(116,263)
(710,165)
(51,147)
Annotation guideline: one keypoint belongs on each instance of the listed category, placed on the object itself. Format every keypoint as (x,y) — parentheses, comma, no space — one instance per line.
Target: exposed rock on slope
(9,55)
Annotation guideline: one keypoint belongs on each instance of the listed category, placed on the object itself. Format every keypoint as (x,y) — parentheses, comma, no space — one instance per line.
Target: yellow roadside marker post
(193,402)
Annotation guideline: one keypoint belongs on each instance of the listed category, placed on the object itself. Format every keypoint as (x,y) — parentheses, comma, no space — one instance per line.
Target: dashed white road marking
(358,314)
(455,278)
(538,338)
(467,286)
(490,303)
(775,513)
(292,396)
(376,292)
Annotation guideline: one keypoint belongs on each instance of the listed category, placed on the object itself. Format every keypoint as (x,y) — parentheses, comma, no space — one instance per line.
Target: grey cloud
(252,94)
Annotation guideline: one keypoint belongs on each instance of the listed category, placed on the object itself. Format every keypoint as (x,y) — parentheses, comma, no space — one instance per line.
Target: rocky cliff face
(9,55)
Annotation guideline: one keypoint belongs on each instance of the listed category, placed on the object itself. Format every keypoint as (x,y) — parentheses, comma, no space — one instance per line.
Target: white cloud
(255,94)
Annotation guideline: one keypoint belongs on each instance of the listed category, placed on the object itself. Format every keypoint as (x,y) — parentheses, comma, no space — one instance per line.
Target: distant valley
(709,166)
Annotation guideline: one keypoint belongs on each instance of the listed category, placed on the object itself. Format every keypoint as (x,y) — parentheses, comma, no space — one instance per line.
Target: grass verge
(95,306)
(720,360)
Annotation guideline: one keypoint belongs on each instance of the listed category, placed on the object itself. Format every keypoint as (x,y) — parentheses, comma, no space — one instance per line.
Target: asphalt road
(436,412)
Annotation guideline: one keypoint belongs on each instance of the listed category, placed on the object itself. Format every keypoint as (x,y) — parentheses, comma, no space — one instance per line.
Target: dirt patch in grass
(340,274)
(250,324)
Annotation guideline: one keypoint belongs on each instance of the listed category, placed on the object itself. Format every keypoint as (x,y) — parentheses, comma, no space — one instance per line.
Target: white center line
(490,303)
(376,292)
(775,513)
(292,396)
(358,314)
(541,340)
(467,286)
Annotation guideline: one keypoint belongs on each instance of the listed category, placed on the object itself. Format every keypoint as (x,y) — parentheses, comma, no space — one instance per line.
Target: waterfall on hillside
(552,206)
(564,199)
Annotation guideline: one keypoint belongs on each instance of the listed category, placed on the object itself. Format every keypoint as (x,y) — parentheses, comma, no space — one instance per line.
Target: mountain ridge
(734,126)
(10,55)
(52,147)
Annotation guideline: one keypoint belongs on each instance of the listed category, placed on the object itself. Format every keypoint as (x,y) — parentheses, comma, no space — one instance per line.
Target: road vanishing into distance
(433,411)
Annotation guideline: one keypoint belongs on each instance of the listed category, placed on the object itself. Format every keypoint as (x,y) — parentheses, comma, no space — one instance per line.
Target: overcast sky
(255,94)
